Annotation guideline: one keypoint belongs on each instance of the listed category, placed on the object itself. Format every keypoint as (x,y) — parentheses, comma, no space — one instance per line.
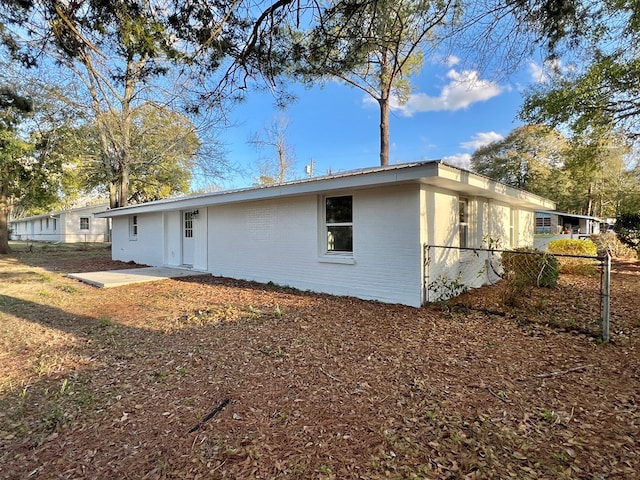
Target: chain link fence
(570,292)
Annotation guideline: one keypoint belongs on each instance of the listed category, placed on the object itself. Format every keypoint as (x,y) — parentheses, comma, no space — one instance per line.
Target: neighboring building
(557,223)
(70,226)
(359,233)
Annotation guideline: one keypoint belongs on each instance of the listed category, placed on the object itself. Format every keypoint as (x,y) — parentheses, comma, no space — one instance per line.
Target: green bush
(577,266)
(528,267)
(627,228)
(573,247)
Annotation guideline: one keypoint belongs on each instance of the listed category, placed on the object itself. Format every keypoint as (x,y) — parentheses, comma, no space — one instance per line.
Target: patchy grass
(111,383)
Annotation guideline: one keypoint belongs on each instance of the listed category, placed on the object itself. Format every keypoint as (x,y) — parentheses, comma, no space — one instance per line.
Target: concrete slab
(118,278)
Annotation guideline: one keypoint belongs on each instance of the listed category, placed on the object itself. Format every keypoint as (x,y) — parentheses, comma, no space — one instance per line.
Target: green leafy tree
(582,175)
(599,174)
(25,178)
(600,90)
(115,51)
(628,229)
(375,47)
(164,153)
(530,157)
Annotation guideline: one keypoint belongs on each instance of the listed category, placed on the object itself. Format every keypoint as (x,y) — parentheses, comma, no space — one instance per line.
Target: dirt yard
(211,378)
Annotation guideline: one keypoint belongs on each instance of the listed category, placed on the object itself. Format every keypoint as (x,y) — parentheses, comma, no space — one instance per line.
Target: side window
(84,223)
(339,224)
(133,227)
(188,224)
(463,223)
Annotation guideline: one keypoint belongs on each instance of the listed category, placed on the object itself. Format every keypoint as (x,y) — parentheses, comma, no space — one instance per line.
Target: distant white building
(557,223)
(361,233)
(69,226)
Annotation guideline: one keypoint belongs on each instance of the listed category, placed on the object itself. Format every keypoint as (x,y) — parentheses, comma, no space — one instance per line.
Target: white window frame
(334,256)
(88,223)
(514,228)
(187,224)
(134,226)
(463,222)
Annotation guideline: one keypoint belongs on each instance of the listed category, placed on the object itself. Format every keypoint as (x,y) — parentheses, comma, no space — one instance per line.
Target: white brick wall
(147,249)
(280,241)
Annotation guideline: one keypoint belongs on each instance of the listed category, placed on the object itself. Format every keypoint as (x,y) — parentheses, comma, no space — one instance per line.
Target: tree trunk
(113,195)
(123,187)
(384,131)
(590,199)
(4,217)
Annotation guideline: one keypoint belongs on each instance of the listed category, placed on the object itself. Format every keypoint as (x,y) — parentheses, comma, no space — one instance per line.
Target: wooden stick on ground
(562,372)
(330,376)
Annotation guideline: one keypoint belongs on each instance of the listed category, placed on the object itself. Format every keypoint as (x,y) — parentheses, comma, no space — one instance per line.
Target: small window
(543,221)
(188,224)
(339,224)
(463,223)
(84,223)
(46,223)
(133,226)
(55,224)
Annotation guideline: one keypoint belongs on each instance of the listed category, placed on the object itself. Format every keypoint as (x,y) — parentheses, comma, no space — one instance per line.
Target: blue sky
(451,112)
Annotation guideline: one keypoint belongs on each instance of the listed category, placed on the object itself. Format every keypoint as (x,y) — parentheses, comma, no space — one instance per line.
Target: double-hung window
(133,227)
(84,223)
(339,224)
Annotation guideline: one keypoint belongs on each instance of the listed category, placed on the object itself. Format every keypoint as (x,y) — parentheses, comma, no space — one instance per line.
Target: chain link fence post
(606,296)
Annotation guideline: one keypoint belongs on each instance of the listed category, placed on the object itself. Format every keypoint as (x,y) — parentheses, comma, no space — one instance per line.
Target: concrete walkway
(117,278)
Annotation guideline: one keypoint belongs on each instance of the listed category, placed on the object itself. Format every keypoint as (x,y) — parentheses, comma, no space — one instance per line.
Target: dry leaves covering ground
(116,383)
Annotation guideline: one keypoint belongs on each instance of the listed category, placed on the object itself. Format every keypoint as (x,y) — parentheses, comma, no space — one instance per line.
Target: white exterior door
(187,238)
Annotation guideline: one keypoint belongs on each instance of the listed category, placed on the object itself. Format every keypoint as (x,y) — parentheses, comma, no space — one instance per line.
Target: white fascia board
(433,172)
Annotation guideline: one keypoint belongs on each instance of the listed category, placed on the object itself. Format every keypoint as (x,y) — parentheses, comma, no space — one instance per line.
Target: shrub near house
(628,229)
(575,249)
(527,267)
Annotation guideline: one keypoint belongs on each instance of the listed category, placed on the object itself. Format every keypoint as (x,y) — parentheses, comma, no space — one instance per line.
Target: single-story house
(359,233)
(557,223)
(68,226)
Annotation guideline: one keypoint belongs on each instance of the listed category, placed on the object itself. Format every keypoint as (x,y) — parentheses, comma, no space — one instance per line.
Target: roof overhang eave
(432,173)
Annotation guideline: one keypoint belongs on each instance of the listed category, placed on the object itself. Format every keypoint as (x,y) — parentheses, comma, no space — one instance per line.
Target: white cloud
(481,139)
(451,61)
(461,160)
(537,72)
(463,89)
